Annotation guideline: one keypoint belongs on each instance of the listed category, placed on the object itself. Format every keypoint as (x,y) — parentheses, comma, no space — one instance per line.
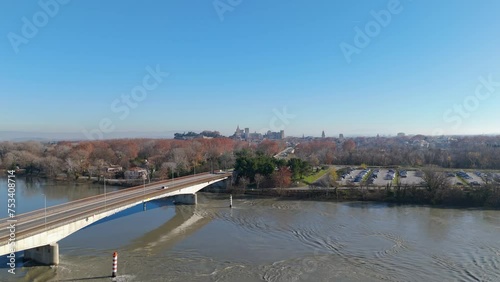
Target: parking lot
(414,177)
(382,178)
(454,180)
(350,177)
(470,179)
(490,177)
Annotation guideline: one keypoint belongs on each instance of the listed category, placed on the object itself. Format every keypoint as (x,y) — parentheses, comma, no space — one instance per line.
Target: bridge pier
(187,199)
(48,254)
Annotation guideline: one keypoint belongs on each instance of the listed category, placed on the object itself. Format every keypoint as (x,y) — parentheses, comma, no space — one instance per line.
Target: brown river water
(267,239)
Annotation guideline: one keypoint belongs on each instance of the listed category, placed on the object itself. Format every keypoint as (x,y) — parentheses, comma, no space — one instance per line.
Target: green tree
(245,164)
(264,165)
(298,168)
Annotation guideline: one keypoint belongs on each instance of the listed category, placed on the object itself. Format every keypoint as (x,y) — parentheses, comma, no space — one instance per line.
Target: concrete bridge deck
(41,228)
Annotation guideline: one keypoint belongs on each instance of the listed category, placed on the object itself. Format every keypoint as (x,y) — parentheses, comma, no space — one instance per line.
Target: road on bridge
(37,221)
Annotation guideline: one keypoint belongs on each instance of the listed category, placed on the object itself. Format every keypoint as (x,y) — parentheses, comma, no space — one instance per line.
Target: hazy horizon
(20,136)
(375,67)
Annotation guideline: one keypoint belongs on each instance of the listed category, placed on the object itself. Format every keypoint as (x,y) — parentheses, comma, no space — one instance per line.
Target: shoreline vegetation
(304,168)
(485,199)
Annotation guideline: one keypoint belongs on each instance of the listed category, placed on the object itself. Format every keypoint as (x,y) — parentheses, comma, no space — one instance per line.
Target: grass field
(313,177)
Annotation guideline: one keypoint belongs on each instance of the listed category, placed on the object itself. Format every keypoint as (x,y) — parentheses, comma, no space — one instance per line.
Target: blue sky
(244,64)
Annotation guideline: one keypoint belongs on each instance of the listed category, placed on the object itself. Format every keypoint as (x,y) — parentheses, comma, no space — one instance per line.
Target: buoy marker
(115,264)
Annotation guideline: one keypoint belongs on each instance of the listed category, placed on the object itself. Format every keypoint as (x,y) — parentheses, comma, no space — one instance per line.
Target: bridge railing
(59,206)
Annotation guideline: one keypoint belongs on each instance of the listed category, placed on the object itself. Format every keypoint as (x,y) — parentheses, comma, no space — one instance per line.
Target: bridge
(37,232)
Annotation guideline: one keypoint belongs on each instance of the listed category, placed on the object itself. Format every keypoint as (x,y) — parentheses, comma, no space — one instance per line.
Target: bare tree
(244,181)
(258,179)
(22,159)
(52,166)
(179,158)
(436,182)
(5,147)
(71,168)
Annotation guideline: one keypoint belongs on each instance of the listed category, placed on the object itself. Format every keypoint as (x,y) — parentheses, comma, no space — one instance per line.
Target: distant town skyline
(77,136)
(376,67)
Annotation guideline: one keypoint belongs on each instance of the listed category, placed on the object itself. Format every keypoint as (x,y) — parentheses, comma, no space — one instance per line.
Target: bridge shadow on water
(183,224)
(143,207)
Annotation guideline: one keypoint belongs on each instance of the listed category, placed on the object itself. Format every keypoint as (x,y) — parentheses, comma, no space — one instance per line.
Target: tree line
(161,157)
(164,156)
(461,152)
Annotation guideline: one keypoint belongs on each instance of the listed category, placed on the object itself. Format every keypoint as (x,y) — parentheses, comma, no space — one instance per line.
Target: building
(401,134)
(238,134)
(247,133)
(275,135)
(341,136)
(113,168)
(254,137)
(421,143)
(323,134)
(136,173)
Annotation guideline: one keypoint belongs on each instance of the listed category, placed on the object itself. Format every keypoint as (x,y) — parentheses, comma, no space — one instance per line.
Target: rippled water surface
(279,240)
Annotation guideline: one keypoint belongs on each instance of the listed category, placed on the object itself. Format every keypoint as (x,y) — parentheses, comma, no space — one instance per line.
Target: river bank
(481,197)
(485,197)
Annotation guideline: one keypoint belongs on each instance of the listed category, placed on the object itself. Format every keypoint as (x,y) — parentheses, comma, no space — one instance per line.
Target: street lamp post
(45,210)
(105,202)
(144,185)
(153,170)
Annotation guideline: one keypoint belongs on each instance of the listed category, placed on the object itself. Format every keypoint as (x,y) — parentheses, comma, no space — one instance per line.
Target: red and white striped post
(115,264)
